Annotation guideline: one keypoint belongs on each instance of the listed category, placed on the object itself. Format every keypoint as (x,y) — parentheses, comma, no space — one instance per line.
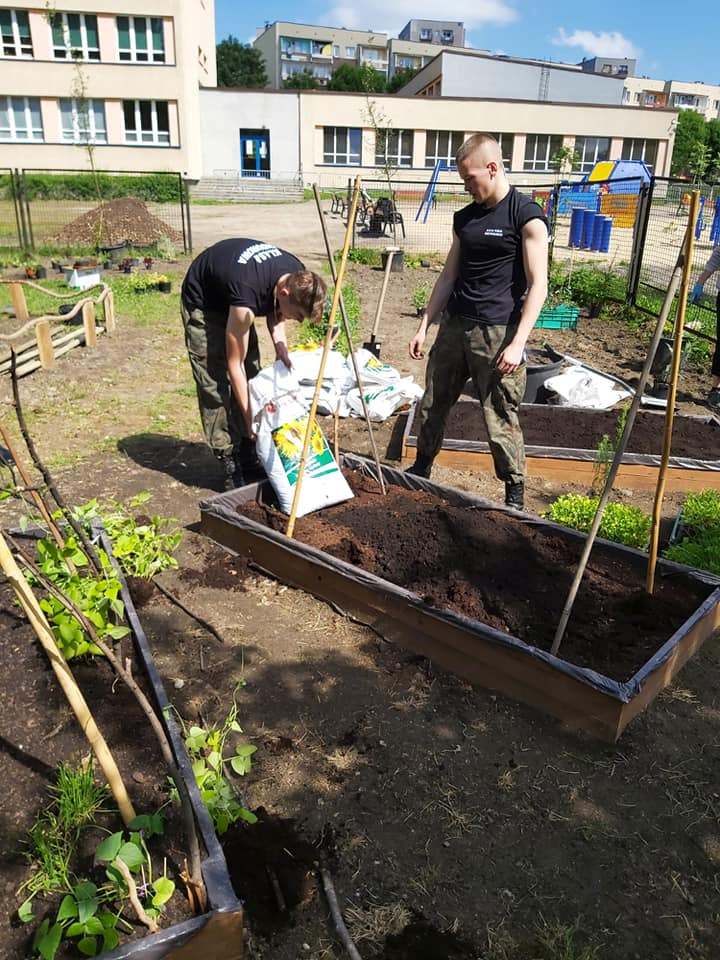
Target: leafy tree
(400,78)
(240,65)
(357,79)
(305,80)
(691,131)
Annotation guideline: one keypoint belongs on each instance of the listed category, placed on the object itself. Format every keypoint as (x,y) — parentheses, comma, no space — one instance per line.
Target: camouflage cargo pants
(465,349)
(222,421)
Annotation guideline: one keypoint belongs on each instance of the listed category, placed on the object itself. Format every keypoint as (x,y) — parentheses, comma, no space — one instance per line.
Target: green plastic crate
(562,317)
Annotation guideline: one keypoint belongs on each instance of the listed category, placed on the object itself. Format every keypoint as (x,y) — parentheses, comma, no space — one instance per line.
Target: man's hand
(697,292)
(510,358)
(416,344)
(281,353)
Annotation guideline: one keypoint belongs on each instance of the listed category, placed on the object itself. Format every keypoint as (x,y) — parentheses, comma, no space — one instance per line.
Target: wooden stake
(348,337)
(88,315)
(390,251)
(326,349)
(672,394)
(46,349)
(336,434)
(109,310)
(17,295)
(620,451)
(30,605)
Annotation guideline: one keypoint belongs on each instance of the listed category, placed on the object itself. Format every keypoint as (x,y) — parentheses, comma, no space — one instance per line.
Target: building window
(540,148)
(15,33)
(506,141)
(622,69)
(336,50)
(606,68)
(83,121)
(426,35)
(394,147)
(350,53)
(320,71)
(146,121)
(640,150)
(448,36)
(141,39)
(442,145)
(20,119)
(590,150)
(342,145)
(75,36)
(406,63)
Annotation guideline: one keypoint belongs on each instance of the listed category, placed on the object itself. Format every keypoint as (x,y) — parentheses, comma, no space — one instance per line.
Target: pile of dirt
(219,570)
(501,571)
(545,425)
(115,221)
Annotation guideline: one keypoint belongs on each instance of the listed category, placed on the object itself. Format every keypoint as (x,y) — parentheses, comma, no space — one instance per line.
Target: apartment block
(703,98)
(124,79)
(609,66)
(447,33)
(324,136)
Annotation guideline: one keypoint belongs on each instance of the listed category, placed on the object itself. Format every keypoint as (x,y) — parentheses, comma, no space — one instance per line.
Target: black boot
(247,460)
(232,472)
(515,495)
(421,468)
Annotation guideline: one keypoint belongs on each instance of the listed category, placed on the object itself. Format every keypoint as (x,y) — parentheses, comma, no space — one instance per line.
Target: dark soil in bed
(37,732)
(502,571)
(550,426)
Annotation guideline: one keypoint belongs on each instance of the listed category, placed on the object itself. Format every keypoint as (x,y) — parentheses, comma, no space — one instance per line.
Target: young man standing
(486,301)
(711,267)
(225,289)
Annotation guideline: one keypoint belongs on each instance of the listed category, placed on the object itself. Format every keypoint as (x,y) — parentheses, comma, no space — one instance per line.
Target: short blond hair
(308,291)
(473,143)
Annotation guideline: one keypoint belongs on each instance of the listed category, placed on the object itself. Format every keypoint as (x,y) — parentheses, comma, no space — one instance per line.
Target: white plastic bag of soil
(579,387)
(329,399)
(306,364)
(279,422)
(383,400)
(371,369)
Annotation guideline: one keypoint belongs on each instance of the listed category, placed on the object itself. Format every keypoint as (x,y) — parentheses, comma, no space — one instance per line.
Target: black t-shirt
(491,283)
(237,273)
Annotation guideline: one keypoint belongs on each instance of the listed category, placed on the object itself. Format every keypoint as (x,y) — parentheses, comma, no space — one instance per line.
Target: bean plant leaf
(49,940)
(25,911)
(131,855)
(164,889)
(88,946)
(247,815)
(117,632)
(110,938)
(68,908)
(109,848)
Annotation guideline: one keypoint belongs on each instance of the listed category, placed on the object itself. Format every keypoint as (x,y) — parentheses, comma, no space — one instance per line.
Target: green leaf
(68,909)
(107,919)
(151,824)
(85,890)
(214,760)
(88,946)
(110,938)
(25,911)
(49,942)
(247,750)
(67,632)
(117,632)
(76,929)
(93,926)
(131,855)
(164,889)
(241,765)
(248,816)
(109,848)
(236,726)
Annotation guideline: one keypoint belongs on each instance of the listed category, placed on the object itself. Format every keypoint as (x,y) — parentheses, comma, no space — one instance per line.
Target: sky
(653,32)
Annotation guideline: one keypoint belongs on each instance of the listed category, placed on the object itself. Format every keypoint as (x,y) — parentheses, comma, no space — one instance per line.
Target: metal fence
(78,208)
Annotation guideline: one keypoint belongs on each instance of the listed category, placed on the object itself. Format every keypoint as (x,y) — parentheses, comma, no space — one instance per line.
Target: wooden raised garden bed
(561,444)
(35,706)
(479,589)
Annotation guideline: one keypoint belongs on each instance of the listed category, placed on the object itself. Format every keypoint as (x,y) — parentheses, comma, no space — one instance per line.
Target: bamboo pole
(46,350)
(35,496)
(30,605)
(17,295)
(390,251)
(620,451)
(672,393)
(326,349)
(348,337)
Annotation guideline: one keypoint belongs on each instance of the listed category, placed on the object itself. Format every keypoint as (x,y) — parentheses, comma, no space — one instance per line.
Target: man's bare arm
(444,286)
(237,336)
(535,258)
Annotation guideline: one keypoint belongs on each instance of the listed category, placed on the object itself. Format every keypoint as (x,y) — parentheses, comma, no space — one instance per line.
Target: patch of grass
(78,796)
(558,942)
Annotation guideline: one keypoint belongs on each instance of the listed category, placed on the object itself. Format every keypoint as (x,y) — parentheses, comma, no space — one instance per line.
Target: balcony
(380,65)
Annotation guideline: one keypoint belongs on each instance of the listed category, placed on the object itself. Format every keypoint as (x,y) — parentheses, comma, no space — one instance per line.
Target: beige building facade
(328,137)
(703,98)
(126,79)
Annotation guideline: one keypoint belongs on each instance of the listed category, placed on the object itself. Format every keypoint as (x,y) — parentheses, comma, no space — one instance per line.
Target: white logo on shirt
(493,232)
(259,252)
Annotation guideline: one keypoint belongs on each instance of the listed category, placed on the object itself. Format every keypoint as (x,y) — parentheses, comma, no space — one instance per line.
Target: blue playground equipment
(608,176)
(715,229)
(428,200)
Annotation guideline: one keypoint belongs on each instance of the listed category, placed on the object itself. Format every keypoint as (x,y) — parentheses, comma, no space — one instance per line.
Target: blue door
(254,153)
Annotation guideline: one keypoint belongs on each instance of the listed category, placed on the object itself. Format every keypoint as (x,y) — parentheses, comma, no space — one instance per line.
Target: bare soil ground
(459,824)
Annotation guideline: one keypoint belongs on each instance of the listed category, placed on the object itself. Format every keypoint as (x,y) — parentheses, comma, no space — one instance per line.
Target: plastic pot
(40,273)
(115,250)
(165,286)
(398,263)
(537,374)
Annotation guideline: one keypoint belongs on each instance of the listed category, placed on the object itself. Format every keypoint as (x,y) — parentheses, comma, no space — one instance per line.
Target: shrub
(702,551)
(368,256)
(421,296)
(315,333)
(154,187)
(621,523)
